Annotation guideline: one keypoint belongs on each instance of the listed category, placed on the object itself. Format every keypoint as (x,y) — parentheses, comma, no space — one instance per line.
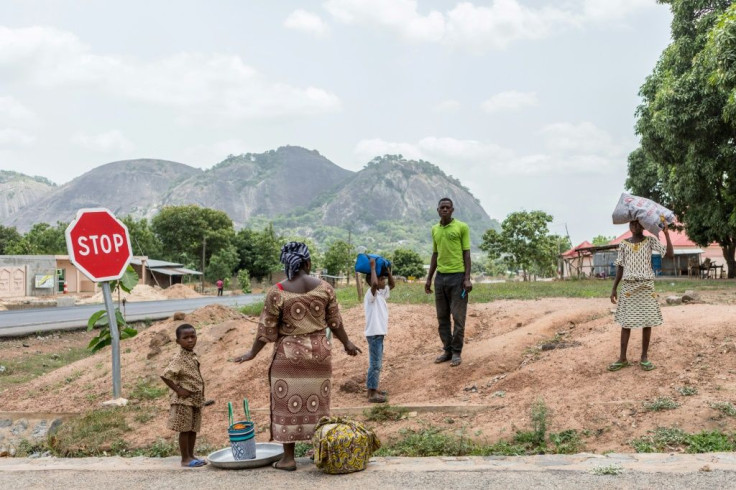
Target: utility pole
(204,249)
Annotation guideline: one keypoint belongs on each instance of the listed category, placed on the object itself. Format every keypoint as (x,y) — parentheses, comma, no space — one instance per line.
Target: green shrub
(659,404)
(383,412)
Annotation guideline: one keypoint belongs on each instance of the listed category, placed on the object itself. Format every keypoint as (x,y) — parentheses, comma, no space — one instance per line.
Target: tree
(258,252)
(222,264)
(602,240)
(9,236)
(407,263)
(686,160)
(339,258)
(524,243)
(188,231)
(142,238)
(41,239)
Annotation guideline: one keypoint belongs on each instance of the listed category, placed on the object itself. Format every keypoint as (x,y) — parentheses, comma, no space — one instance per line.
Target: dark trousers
(448,289)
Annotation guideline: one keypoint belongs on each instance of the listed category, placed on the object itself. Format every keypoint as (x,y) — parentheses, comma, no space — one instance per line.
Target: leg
(191,442)
(375,348)
(186,456)
(287,461)
(442,304)
(625,334)
(458,308)
(646,335)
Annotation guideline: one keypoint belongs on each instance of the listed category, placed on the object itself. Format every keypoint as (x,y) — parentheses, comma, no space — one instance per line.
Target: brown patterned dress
(302,362)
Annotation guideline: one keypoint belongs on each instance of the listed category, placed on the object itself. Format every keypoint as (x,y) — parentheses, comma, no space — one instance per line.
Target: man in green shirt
(451,261)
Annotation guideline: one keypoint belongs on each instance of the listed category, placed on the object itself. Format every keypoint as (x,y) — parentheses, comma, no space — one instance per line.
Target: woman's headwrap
(293,255)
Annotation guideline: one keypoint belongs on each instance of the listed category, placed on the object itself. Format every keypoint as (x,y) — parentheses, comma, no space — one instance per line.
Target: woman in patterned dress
(295,317)
(637,305)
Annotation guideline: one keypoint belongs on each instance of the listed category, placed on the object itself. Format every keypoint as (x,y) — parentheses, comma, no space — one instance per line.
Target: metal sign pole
(115,336)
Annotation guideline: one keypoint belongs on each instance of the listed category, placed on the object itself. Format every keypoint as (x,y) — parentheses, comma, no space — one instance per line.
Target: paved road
(637,471)
(23,322)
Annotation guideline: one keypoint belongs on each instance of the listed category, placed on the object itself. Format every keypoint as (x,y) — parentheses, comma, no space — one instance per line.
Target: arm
(253,352)
(670,249)
(619,275)
(342,336)
(430,273)
(176,388)
(466,279)
(374,277)
(391,282)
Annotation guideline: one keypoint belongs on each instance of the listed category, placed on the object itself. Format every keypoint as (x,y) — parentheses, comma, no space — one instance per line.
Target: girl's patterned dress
(637,301)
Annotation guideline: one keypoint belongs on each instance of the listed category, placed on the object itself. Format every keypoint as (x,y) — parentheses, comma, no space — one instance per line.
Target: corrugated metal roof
(175,271)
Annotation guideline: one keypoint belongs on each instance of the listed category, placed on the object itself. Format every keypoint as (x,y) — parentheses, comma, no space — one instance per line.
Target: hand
(428,287)
(248,356)
(351,349)
(183,393)
(614,297)
(372,261)
(467,285)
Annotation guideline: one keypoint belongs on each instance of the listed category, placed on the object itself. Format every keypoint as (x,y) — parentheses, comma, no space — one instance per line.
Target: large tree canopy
(687,156)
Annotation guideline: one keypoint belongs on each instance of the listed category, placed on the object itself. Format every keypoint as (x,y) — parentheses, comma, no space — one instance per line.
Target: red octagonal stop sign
(98,244)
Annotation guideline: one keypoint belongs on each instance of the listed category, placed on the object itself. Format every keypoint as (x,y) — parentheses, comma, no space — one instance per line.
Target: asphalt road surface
(15,323)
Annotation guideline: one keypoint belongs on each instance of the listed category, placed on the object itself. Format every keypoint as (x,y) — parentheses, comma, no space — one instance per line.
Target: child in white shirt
(376,326)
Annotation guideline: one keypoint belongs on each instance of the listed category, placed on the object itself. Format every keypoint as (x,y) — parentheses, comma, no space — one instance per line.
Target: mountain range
(390,202)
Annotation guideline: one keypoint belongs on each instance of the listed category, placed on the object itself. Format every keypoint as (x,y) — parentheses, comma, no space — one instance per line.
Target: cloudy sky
(530,103)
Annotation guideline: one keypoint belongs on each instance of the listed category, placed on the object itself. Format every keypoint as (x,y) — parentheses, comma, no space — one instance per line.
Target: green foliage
(431,441)
(339,258)
(301,449)
(725,408)
(687,390)
(566,442)
(186,231)
(253,309)
(41,239)
(407,263)
(599,240)
(222,263)
(9,236)
(611,469)
(100,319)
(686,125)
(258,251)
(142,238)
(91,434)
(244,281)
(148,389)
(667,439)
(383,412)
(524,243)
(659,404)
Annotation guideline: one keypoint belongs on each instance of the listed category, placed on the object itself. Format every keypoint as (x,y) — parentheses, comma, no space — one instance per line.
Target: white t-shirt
(376,312)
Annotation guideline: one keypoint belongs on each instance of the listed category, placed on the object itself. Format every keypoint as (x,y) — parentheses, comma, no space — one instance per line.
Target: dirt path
(504,371)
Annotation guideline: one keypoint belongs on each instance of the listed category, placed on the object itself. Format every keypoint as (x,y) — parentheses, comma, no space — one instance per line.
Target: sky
(530,103)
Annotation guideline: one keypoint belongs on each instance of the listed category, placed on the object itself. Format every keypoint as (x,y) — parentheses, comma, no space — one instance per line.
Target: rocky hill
(18,191)
(391,201)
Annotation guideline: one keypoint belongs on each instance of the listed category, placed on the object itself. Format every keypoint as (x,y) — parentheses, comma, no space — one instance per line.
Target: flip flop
(204,461)
(378,398)
(646,365)
(618,365)
(283,468)
(195,463)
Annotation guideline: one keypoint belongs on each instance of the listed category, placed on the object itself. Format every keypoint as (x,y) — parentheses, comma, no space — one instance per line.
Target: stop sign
(98,244)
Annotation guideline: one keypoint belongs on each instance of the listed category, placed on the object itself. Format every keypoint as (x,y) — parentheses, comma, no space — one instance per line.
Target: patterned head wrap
(293,255)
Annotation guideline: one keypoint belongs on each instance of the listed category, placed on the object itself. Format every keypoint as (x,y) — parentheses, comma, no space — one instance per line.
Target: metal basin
(266,453)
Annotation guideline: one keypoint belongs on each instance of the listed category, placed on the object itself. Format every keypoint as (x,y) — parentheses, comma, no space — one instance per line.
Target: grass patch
(687,390)
(666,439)
(659,404)
(725,408)
(31,366)
(610,470)
(384,412)
(148,389)
(253,309)
(96,433)
(301,449)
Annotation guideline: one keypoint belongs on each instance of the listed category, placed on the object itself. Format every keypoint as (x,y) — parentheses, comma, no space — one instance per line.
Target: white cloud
(448,105)
(205,155)
(195,84)
(479,28)
(567,149)
(110,141)
(510,101)
(15,137)
(13,112)
(308,22)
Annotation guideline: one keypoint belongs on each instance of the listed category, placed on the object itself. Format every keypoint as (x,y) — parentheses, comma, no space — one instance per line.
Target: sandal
(283,468)
(618,365)
(646,365)
(377,398)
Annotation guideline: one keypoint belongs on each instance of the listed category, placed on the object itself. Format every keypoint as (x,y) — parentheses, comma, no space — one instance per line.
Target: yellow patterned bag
(342,445)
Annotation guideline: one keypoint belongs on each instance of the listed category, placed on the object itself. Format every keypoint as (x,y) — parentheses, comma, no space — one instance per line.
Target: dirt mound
(141,292)
(505,369)
(180,291)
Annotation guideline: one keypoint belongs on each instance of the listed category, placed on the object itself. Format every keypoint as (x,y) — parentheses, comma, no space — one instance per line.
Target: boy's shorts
(184,418)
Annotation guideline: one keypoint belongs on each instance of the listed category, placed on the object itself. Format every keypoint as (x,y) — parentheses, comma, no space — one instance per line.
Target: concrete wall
(34,265)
